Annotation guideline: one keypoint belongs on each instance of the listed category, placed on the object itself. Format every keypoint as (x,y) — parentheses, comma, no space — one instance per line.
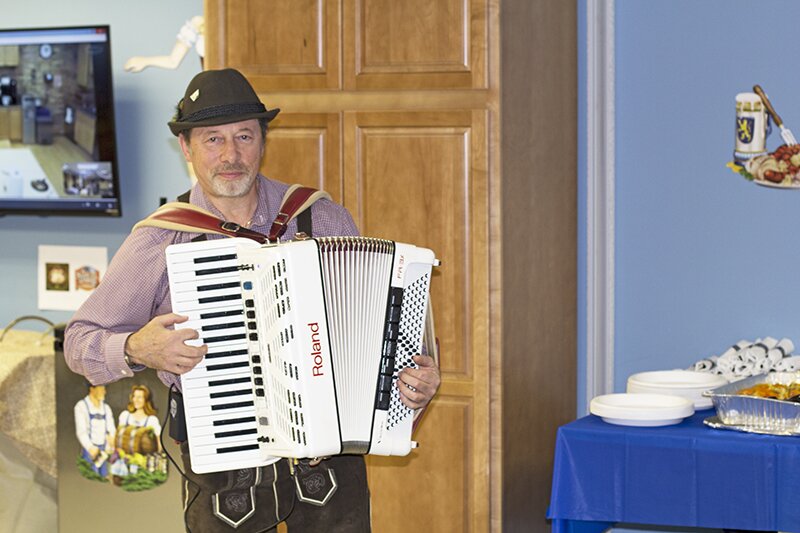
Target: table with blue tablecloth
(685,475)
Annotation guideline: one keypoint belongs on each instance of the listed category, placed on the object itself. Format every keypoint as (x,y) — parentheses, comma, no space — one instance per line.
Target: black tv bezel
(105,133)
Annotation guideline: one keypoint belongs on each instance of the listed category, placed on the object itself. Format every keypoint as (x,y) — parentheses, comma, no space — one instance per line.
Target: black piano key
(219,270)
(228,394)
(242,448)
(227,366)
(220,314)
(232,421)
(224,298)
(229,353)
(224,338)
(237,433)
(230,381)
(227,325)
(235,405)
(214,258)
(217,286)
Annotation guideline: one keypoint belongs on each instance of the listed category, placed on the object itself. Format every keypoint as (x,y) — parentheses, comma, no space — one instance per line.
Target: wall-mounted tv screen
(58,151)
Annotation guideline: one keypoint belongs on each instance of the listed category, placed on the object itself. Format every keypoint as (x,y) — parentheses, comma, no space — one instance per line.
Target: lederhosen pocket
(315,484)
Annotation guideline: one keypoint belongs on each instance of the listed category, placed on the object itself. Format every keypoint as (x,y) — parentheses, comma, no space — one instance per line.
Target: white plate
(636,409)
(684,383)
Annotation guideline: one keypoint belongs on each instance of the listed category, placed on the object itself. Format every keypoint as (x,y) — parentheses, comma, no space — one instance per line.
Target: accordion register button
(387,366)
(256,358)
(259,381)
(383,400)
(394,314)
(251,314)
(389,348)
(249,302)
(391,331)
(396,296)
(247,285)
(385,383)
(254,336)
(259,392)
(251,325)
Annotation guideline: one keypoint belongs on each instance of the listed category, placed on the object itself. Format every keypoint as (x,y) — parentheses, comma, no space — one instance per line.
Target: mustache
(231,167)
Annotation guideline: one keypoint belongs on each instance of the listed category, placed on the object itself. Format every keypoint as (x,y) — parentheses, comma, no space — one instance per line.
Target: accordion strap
(183,216)
(296,200)
(180,216)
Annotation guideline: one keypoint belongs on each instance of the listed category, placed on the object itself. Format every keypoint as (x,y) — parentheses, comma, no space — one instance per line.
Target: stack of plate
(633,409)
(683,383)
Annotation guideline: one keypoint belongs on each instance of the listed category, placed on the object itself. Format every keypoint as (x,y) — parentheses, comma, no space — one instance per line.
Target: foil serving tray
(764,415)
(716,423)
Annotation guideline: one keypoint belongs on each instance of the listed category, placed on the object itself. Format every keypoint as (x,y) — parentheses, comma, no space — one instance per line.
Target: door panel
(304,148)
(420,178)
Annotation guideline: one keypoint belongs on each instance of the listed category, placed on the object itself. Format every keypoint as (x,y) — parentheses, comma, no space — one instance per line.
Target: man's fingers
(170,319)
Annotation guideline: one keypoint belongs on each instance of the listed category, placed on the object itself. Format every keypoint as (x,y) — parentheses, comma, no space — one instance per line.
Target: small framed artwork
(68,275)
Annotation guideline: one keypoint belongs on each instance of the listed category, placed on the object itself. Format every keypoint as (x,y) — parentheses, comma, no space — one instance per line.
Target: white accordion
(305,342)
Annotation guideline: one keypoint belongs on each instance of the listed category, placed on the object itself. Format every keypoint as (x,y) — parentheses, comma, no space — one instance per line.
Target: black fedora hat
(216,97)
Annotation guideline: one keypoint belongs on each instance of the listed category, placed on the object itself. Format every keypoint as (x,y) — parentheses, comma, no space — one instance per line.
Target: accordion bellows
(306,339)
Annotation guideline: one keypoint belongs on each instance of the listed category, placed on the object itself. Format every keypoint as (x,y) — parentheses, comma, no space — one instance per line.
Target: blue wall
(703,257)
(151,165)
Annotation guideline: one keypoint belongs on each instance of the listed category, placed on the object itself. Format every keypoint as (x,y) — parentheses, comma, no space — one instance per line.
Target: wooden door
(420,177)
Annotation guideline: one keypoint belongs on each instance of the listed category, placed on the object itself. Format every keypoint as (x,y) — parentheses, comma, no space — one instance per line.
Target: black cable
(171,460)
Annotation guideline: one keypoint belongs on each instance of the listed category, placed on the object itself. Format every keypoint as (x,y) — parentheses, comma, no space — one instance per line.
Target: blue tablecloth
(682,475)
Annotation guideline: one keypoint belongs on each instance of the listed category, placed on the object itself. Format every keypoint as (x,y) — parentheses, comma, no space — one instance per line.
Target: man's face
(225,158)
(98,392)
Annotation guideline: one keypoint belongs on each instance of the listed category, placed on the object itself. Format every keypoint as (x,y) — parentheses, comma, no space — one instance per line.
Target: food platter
(759,414)
(776,170)
(639,409)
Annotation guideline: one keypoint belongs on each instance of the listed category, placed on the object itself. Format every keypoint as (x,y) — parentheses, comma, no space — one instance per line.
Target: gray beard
(236,189)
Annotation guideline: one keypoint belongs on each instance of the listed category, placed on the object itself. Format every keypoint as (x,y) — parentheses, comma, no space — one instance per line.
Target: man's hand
(158,345)
(425,381)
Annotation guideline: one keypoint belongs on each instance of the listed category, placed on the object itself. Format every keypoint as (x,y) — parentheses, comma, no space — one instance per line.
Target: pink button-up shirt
(135,287)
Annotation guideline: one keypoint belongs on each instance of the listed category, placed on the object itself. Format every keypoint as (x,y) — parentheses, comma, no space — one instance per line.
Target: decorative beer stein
(752,127)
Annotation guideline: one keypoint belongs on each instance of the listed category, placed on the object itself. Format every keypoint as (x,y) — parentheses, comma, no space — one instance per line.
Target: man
(94,427)
(127,323)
